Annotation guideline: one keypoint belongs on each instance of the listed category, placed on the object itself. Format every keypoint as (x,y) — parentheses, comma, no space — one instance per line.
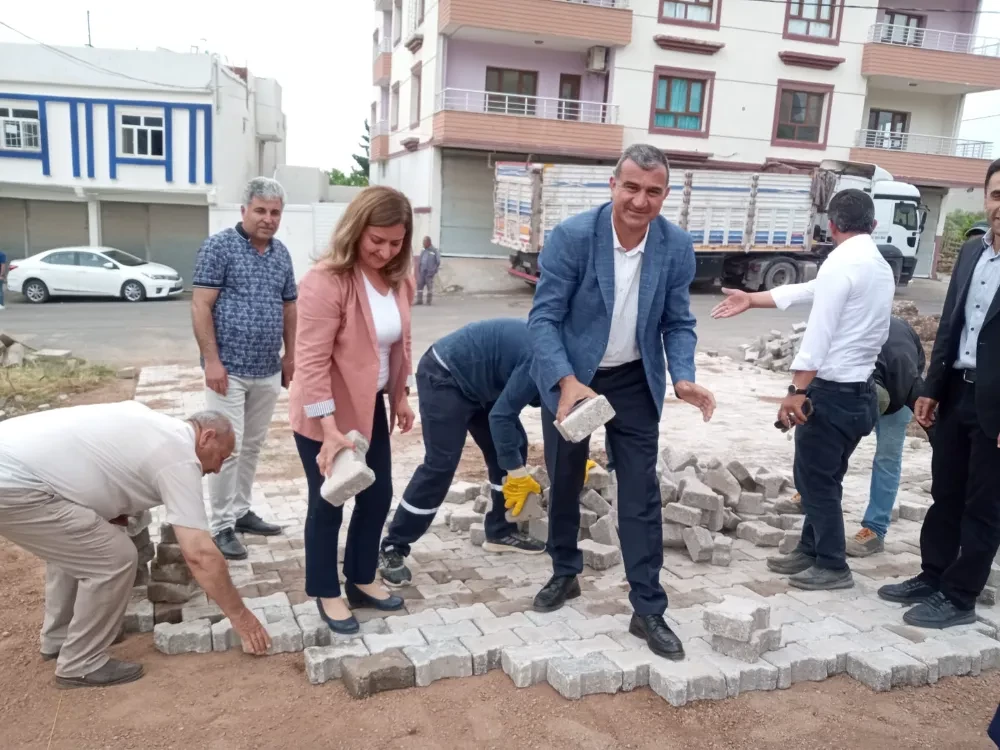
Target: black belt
(856,388)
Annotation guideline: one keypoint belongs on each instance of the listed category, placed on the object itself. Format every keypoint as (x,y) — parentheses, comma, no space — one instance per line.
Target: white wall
(929,114)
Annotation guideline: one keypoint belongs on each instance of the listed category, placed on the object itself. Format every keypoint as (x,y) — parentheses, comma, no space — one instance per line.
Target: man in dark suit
(961,532)
(612,298)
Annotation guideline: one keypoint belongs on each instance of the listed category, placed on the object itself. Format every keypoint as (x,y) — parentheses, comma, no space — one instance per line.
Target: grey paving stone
(683,681)
(349,475)
(378,643)
(634,666)
(183,638)
(169,554)
(736,618)
(750,503)
(286,637)
(682,514)
(593,502)
(730,520)
(451,632)
(603,531)
(699,543)
(139,616)
(885,669)
(575,677)
(481,504)
(673,535)
(983,651)
(170,573)
(552,632)
(439,661)
(478,611)
(167,535)
(224,636)
(668,491)
(598,478)
(527,665)
(742,677)
(587,519)
(399,623)
(759,534)
(676,460)
(598,644)
(366,675)
(988,596)
(498,624)
(315,632)
(563,614)
(722,551)
(796,664)
(531,511)
(596,626)
(539,529)
(695,494)
(599,556)
(834,651)
(477,533)
(789,542)
(462,519)
(713,520)
(486,650)
(761,641)
(742,475)
(722,481)
(462,492)
(813,631)
(170,593)
(323,663)
(769,483)
(911,511)
(943,659)
(210,612)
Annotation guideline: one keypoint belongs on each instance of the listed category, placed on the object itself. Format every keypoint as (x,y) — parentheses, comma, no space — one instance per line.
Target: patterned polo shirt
(253,289)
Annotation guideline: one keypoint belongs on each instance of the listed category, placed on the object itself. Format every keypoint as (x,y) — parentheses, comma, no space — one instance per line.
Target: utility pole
(88,30)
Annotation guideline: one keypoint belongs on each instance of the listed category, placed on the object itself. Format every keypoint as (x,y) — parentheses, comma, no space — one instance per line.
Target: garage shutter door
(123,225)
(12,227)
(55,224)
(467,207)
(175,234)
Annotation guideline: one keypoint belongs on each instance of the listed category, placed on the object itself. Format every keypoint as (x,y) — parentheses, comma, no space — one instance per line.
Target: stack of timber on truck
(756,230)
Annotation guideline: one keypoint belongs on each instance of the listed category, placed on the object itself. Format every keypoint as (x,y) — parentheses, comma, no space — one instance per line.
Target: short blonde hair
(377,206)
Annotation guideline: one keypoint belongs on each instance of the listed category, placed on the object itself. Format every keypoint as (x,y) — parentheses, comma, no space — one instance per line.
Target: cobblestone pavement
(468,611)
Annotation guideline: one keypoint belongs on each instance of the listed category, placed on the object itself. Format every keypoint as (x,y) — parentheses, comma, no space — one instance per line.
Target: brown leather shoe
(115,672)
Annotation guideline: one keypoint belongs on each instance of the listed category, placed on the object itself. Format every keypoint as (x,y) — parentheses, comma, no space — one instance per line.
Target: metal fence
(934,39)
(545,108)
(923,144)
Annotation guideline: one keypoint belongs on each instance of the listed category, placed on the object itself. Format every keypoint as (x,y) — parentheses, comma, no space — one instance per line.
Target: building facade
(717,84)
(127,148)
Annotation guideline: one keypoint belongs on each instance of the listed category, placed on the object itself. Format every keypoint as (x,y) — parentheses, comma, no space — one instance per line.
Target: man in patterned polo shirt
(243,309)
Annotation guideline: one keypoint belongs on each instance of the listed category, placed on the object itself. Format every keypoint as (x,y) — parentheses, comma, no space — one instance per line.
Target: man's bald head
(214,439)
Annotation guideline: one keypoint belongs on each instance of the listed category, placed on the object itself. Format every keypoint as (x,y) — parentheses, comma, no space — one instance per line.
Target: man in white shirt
(69,479)
(848,324)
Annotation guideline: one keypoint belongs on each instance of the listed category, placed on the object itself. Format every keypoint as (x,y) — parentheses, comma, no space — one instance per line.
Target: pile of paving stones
(774,351)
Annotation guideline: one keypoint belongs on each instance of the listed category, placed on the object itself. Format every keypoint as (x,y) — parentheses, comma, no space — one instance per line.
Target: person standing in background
(352,352)
(427,267)
(243,309)
(4,265)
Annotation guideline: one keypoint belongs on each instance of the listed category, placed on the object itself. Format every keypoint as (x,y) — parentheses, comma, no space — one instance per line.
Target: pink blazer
(336,352)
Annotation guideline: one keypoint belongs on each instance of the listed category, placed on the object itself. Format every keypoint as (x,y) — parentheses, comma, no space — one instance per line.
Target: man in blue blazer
(612,297)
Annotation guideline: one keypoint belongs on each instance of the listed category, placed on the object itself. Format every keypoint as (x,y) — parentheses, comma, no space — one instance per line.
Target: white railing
(942,41)
(383,46)
(414,16)
(545,108)
(379,128)
(923,144)
(622,4)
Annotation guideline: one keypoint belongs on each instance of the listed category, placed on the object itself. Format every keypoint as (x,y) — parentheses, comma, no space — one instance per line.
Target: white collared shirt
(982,289)
(623,345)
(849,322)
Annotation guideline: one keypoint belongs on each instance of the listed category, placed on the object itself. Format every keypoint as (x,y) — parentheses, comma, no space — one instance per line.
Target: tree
(957,223)
(363,161)
(359,174)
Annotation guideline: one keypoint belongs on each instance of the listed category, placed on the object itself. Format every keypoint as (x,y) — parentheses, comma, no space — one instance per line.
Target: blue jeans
(886,468)
(843,413)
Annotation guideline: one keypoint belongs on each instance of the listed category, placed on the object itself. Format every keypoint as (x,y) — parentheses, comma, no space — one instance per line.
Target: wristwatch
(793,391)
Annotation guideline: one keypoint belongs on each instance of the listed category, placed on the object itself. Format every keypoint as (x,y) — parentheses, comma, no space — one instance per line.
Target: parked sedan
(91,272)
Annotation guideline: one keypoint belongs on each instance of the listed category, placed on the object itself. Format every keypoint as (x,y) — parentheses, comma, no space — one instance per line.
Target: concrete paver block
(462,518)
(885,669)
(742,475)
(699,542)
(438,661)
(722,481)
(599,556)
(482,504)
(315,632)
(593,626)
(679,682)
(736,618)
(761,641)
(676,460)
(377,643)
(722,550)
(210,612)
(983,651)
(170,573)
(349,474)
(224,636)
(742,677)
(668,492)
(450,632)
(713,520)
(286,637)
(943,659)
(599,644)
(494,624)
(598,478)
(911,511)
(170,593)
(750,503)
(486,650)
(139,616)
(323,663)
(604,531)
(184,638)
(673,535)
(634,666)
(585,417)
(789,542)
(770,484)
(472,612)
(477,532)
(527,665)
(576,677)
(366,675)
(531,511)
(550,632)
(695,494)
(592,501)
(796,664)
(682,514)
(462,492)
(167,535)
(759,534)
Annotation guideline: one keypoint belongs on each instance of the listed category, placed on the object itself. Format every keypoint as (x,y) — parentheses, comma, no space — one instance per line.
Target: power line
(981,117)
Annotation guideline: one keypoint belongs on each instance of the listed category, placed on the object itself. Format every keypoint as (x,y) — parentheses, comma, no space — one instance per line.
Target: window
(886,129)
(903,28)
(397,21)
(814,20)
(21,129)
(905,215)
(569,97)
(420,11)
(681,102)
(515,91)
(126,259)
(691,12)
(142,135)
(802,114)
(91,260)
(61,259)
(415,81)
(394,107)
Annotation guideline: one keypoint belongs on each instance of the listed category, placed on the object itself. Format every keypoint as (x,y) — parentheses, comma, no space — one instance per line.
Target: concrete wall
(929,114)
(960,15)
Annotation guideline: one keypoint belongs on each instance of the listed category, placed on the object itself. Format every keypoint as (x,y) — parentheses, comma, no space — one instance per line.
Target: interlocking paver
(575,677)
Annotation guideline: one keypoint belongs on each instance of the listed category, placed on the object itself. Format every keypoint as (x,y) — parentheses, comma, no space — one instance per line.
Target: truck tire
(779,273)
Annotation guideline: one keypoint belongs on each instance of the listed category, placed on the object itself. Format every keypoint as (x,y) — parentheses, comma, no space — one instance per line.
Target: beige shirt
(117,459)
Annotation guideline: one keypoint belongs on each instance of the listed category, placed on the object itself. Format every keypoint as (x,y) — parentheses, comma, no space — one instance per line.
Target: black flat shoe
(230,546)
(661,640)
(556,593)
(251,523)
(343,627)
(913,591)
(938,612)
(358,598)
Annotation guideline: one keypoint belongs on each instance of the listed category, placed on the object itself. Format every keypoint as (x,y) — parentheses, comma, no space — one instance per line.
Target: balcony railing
(933,39)
(923,144)
(619,4)
(489,102)
(381,47)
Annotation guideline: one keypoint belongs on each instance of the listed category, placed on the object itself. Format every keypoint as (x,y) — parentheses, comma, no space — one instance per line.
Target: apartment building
(127,148)
(720,84)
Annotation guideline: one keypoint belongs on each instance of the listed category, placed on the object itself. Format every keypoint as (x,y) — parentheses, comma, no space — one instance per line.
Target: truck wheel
(779,273)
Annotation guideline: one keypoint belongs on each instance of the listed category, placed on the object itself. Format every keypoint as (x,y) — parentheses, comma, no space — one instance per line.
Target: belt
(831,385)
(969,376)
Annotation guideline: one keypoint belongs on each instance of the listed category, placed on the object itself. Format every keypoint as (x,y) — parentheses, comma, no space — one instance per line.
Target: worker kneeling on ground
(474,380)
(69,478)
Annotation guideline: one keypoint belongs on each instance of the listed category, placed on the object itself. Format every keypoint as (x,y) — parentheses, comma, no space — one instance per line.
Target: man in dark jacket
(476,381)
(961,533)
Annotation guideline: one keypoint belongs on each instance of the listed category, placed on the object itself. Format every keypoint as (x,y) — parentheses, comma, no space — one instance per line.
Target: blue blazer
(570,320)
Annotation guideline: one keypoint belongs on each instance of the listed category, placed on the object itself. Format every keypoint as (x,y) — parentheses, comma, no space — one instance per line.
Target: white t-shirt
(623,346)
(388,327)
(116,459)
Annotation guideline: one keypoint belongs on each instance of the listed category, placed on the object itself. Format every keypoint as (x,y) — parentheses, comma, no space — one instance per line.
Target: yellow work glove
(586,471)
(516,490)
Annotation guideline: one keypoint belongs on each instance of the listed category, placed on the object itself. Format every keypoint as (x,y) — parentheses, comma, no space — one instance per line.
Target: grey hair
(212,420)
(646,157)
(264,188)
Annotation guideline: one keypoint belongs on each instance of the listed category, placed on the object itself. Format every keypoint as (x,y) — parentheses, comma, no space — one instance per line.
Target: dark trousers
(961,532)
(843,413)
(371,507)
(446,414)
(633,435)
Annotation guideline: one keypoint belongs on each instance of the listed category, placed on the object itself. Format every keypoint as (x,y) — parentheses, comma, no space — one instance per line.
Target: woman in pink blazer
(352,353)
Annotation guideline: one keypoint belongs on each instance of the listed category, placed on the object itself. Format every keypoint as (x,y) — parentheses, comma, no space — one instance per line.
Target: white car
(91,272)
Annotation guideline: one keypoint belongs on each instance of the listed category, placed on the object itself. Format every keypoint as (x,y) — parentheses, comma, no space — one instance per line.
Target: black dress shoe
(343,627)
(938,612)
(230,547)
(661,640)
(912,591)
(556,593)
(251,523)
(358,598)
